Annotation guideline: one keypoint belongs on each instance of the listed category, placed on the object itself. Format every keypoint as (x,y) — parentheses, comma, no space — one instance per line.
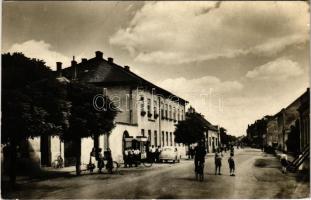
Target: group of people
(96,155)
(218,161)
(199,159)
(154,153)
(133,156)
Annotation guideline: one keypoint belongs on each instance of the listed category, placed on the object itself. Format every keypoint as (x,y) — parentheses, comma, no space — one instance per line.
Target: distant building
(291,116)
(304,120)
(212,135)
(294,119)
(272,132)
(257,132)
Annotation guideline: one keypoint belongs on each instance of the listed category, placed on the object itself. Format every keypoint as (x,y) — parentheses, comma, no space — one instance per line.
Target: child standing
(284,163)
(231,164)
(217,163)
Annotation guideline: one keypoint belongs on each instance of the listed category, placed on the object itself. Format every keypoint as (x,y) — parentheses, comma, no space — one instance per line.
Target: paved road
(176,181)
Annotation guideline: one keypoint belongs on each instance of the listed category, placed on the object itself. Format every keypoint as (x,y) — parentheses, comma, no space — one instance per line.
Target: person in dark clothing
(199,159)
(190,153)
(232,150)
(100,161)
(109,165)
(157,154)
(217,163)
(284,163)
(231,165)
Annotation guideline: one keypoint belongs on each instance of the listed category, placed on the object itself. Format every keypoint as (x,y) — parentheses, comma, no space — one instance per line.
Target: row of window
(167,111)
(213,141)
(167,138)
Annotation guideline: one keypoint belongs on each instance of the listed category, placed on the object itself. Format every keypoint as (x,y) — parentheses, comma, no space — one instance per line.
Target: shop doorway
(45,148)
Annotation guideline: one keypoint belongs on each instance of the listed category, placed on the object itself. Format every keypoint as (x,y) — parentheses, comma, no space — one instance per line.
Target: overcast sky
(233,61)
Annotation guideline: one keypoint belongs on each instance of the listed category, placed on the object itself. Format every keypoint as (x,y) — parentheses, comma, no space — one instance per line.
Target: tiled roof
(207,123)
(102,72)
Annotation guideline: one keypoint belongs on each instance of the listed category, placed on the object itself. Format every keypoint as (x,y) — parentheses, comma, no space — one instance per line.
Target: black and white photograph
(155,99)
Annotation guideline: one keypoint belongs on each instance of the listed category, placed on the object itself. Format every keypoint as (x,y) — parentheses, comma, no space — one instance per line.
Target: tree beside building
(32,105)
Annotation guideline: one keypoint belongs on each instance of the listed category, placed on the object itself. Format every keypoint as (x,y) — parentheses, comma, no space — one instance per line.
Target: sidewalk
(279,153)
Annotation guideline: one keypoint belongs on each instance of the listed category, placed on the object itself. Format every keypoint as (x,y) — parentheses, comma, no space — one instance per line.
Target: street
(257,176)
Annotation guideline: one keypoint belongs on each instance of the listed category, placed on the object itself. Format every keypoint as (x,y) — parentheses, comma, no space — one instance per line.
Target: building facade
(211,134)
(147,113)
(272,132)
(289,125)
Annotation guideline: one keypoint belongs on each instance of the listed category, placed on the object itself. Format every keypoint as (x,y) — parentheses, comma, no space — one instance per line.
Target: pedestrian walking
(199,159)
(100,161)
(157,154)
(217,164)
(109,165)
(284,163)
(130,157)
(232,150)
(189,152)
(91,165)
(231,165)
(152,153)
(136,156)
(126,157)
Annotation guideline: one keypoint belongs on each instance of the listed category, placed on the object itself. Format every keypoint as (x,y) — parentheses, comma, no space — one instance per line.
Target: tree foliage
(19,70)
(191,130)
(35,103)
(31,99)
(30,102)
(85,120)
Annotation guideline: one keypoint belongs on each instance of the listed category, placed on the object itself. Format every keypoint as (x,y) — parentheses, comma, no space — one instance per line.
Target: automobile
(169,154)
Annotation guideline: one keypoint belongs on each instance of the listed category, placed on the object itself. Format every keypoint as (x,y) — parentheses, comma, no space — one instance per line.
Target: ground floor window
(162,138)
(155,138)
(142,132)
(149,136)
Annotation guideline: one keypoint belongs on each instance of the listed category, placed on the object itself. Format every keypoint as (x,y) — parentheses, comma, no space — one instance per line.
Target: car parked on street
(169,154)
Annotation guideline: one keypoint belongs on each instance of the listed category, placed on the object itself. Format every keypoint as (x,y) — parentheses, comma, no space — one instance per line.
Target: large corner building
(147,112)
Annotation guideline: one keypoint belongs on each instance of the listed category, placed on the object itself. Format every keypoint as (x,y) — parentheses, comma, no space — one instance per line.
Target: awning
(141,138)
(128,139)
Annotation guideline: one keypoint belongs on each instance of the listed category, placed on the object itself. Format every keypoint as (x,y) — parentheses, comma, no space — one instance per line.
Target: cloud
(183,32)
(279,69)
(204,85)
(208,9)
(40,50)
(208,96)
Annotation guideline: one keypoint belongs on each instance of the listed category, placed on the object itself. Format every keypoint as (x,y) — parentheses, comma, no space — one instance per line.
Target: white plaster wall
(57,148)
(212,135)
(86,147)
(116,138)
(101,142)
(35,153)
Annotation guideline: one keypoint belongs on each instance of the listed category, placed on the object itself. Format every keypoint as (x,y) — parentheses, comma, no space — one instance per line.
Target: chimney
(74,65)
(127,68)
(99,54)
(110,60)
(73,62)
(59,69)
(83,60)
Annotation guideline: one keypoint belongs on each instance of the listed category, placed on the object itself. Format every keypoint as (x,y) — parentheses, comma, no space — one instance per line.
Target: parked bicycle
(147,162)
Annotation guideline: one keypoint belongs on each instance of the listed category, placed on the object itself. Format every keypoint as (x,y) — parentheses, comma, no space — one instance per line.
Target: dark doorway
(69,152)
(45,148)
(125,142)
